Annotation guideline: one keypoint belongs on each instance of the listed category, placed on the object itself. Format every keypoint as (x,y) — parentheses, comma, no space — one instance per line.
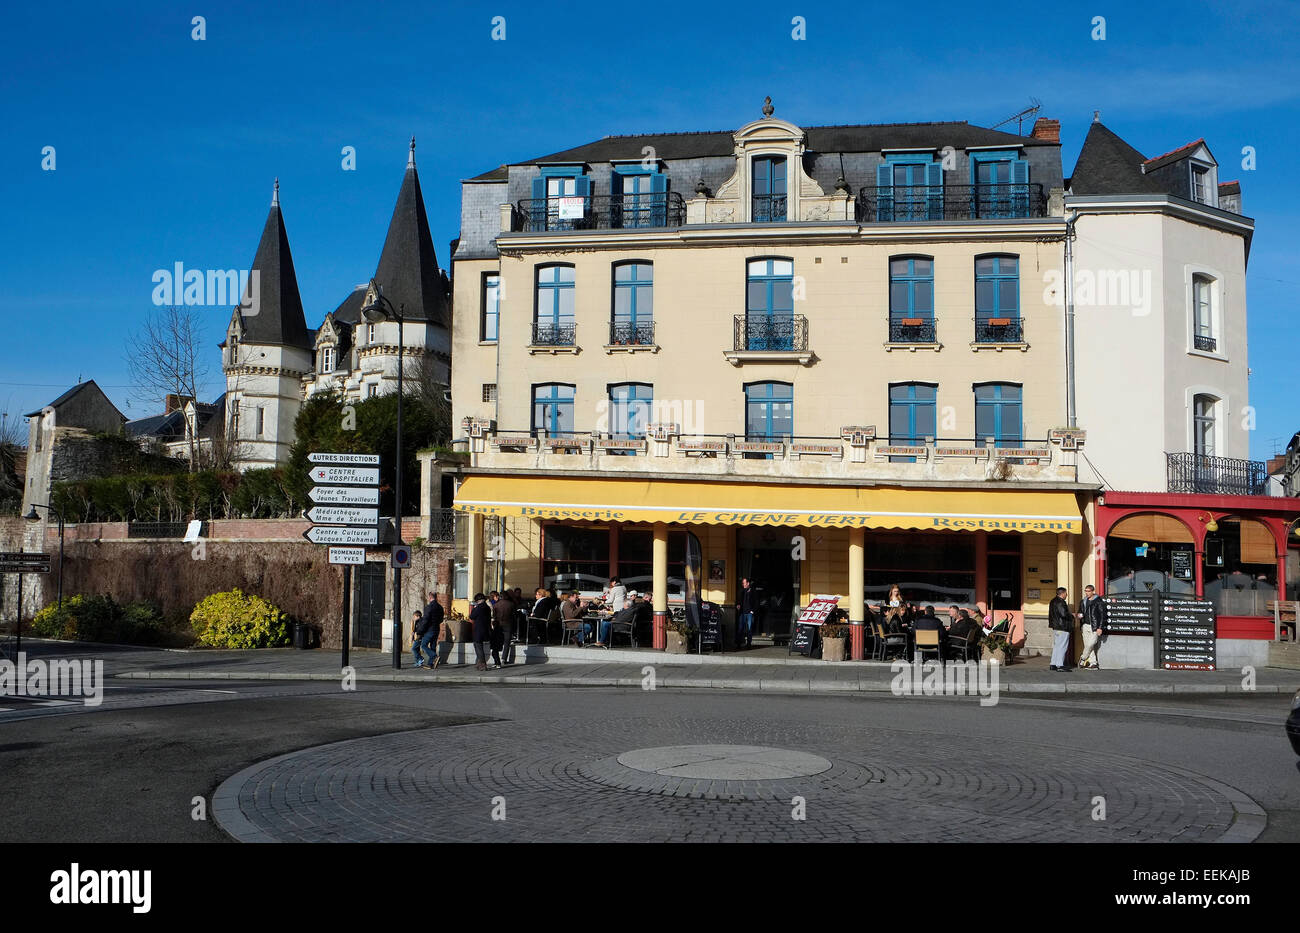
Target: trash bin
(301,635)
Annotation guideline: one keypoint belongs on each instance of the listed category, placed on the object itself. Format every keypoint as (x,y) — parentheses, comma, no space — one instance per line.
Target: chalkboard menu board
(710,626)
(804,639)
(1186,639)
(1132,613)
(1180,565)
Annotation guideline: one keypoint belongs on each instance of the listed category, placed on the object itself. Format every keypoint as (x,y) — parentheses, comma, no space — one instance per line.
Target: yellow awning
(704,503)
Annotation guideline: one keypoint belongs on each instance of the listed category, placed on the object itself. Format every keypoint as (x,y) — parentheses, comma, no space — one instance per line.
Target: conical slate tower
(408,267)
(275,317)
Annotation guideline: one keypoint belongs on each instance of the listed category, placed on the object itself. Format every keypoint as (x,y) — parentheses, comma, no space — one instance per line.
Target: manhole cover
(724,762)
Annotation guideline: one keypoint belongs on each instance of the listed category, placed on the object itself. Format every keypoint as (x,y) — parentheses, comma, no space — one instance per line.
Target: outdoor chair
(544,623)
(964,647)
(927,640)
(573,631)
(627,628)
(885,642)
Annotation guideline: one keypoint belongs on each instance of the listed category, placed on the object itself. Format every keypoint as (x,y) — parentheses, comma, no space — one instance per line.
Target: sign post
(346,514)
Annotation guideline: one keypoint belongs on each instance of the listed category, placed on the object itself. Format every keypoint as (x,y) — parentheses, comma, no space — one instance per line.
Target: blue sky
(166,147)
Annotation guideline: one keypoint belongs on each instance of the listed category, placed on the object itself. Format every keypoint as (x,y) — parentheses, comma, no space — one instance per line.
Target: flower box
(999,321)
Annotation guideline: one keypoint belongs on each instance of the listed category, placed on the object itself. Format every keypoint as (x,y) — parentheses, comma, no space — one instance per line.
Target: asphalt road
(129,770)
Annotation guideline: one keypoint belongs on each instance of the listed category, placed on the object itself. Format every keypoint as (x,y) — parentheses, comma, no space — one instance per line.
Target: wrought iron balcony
(769,208)
(602,212)
(999,330)
(920,203)
(1206,343)
(778,332)
(1220,476)
(912,330)
(627,334)
(442,525)
(549,334)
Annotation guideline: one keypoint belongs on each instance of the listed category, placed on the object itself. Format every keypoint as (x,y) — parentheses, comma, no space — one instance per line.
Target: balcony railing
(442,525)
(602,212)
(1203,342)
(760,332)
(918,203)
(769,208)
(1221,476)
(1000,330)
(554,335)
(912,330)
(628,334)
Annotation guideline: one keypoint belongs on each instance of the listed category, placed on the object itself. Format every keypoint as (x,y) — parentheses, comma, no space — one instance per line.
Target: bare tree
(427,389)
(167,356)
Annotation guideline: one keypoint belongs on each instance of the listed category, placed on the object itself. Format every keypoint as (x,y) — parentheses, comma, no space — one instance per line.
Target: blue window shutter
(934,189)
(659,200)
(582,186)
(539,188)
(884,192)
(1020,188)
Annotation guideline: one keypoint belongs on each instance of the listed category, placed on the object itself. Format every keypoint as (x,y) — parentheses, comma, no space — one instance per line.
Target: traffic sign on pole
(348,556)
(402,556)
(341,534)
(356,476)
(345,459)
(342,515)
(344,495)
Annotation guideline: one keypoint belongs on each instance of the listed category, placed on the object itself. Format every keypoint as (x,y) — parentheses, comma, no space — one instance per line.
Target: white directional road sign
(345,459)
(342,515)
(357,476)
(344,495)
(348,555)
(341,534)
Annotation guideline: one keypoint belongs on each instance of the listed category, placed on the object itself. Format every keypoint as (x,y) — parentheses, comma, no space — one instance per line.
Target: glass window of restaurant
(935,569)
(1240,569)
(586,557)
(1150,552)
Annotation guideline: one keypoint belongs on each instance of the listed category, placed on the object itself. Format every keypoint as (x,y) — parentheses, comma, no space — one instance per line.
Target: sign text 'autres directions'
(344,459)
(356,476)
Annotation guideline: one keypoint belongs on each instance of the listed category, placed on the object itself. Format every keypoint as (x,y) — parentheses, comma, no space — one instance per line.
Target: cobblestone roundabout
(564,782)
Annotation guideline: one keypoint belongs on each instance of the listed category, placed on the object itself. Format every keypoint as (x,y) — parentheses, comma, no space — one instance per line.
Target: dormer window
(233,344)
(561,199)
(327,359)
(1201,184)
(769,190)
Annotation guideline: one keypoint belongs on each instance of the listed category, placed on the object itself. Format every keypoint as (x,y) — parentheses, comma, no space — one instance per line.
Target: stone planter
(676,643)
(834,649)
(999,656)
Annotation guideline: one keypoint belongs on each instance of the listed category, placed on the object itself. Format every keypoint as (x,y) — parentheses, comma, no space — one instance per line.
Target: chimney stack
(1045,129)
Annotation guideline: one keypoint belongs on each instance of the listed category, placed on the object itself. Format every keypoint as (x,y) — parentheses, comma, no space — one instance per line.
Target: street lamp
(381,309)
(31,516)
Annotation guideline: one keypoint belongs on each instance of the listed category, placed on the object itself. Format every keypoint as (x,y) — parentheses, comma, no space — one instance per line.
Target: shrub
(102,619)
(238,620)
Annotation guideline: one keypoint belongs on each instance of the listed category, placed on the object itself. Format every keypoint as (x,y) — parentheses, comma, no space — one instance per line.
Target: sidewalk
(763,670)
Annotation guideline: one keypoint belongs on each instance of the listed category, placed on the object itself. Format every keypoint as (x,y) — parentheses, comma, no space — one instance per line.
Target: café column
(660,582)
(857,584)
(474,555)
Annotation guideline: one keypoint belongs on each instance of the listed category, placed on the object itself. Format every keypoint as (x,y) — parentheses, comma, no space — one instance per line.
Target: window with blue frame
(555,204)
(999,414)
(630,404)
(909,187)
(633,321)
(769,411)
(491,320)
(554,324)
(769,305)
(912,415)
(911,299)
(768,190)
(639,198)
(999,185)
(997,299)
(553,408)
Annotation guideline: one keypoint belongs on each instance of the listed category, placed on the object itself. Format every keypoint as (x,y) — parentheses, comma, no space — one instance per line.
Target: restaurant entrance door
(1004,583)
(766,557)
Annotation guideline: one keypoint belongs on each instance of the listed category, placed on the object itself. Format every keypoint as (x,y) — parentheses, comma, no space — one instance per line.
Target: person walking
(1061,621)
(746,604)
(1092,613)
(480,618)
(444,643)
(432,616)
(422,634)
(503,627)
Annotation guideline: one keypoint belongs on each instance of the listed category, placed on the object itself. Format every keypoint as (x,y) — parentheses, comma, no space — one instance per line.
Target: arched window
(553,408)
(997,299)
(911,299)
(769,304)
(999,414)
(769,411)
(1204,335)
(554,324)
(1203,425)
(633,321)
(630,404)
(912,416)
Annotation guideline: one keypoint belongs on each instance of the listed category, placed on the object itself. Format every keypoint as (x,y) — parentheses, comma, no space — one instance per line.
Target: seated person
(571,610)
(928,622)
(963,625)
(541,610)
(626,614)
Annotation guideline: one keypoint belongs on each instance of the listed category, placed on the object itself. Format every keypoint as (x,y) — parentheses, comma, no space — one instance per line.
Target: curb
(775,686)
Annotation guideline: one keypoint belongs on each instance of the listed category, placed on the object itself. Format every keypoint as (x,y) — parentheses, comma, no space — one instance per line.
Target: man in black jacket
(1061,622)
(481,619)
(422,637)
(1092,613)
(746,606)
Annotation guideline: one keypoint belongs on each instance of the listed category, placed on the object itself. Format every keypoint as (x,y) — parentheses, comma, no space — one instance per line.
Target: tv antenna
(1035,105)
